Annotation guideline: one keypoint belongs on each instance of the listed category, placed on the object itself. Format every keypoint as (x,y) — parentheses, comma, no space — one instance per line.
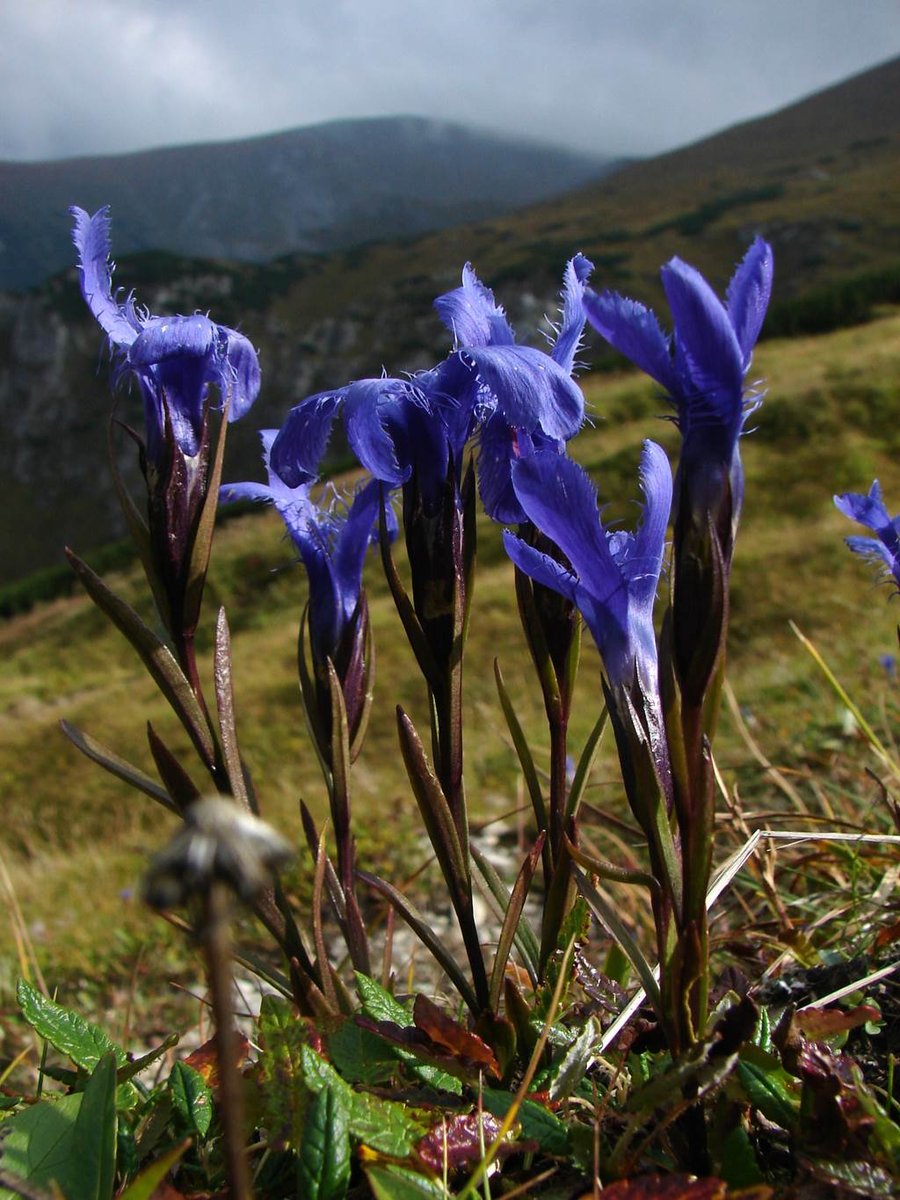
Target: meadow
(75,840)
(734,1069)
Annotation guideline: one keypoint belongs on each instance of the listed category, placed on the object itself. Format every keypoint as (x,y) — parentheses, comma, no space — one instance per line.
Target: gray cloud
(619,76)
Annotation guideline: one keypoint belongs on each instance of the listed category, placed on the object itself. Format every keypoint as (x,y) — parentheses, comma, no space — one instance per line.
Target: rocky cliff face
(55,398)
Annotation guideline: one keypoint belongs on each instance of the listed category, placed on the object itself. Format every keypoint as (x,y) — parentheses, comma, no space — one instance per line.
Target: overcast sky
(612,76)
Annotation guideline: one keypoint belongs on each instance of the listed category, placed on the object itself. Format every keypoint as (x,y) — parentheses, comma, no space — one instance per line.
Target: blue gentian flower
(332,541)
(702,365)
(520,399)
(869,510)
(613,575)
(174,359)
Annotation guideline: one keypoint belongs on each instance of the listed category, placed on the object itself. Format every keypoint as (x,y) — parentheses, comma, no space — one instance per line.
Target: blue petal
(375,420)
(352,543)
(243,366)
(530,389)
(634,331)
(706,346)
(541,567)
(165,338)
(497,446)
(568,340)
(472,315)
(645,561)
(748,296)
(873,550)
(300,445)
(868,509)
(91,238)
(561,501)
(246,491)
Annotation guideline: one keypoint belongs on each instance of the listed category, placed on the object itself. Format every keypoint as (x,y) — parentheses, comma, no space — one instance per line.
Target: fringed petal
(633,330)
(748,296)
(568,340)
(472,315)
(92,241)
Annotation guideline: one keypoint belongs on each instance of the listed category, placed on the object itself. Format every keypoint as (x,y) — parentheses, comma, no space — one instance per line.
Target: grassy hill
(74,839)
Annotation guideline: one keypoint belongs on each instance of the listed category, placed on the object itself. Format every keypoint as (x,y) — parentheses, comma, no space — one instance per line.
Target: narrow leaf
(422,928)
(203,533)
(605,911)
(526,761)
(116,765)
(179,784)
(137,524)
(525,938)
(156,656)
(411,625)
(224,685)
(585,762)
(512,919)
(433,806)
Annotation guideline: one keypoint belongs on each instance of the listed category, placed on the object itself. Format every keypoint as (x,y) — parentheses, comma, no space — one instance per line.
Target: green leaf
(283,1095)
(399,1183)
(149,1180)
(576,1060)
(767,1084)
(383,1125)
(537,1122)
(84,1043)
(381,1006)
(585,762)
(360,1055)
(191,1097)
(39,1145)
(94,1134)
(523,751)
(323,1166)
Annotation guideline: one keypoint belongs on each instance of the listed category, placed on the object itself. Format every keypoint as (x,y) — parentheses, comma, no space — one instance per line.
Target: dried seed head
(219,841)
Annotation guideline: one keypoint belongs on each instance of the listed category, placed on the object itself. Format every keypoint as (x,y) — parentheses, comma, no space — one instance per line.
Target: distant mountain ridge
(310,190)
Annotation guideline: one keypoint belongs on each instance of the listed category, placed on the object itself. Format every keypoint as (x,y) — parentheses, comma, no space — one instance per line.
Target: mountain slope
(313,190)
(828,202)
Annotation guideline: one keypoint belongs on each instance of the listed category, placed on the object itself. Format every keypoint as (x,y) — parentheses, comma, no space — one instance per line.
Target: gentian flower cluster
(884,549)
(399,428)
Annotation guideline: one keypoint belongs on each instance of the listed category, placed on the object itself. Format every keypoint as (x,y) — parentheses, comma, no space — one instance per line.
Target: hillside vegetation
(75,840)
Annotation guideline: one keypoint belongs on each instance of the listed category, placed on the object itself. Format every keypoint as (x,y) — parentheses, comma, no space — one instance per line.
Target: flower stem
(216,939)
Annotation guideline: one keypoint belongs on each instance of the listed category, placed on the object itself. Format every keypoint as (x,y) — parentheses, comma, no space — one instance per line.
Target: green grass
(75,840)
